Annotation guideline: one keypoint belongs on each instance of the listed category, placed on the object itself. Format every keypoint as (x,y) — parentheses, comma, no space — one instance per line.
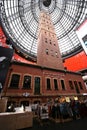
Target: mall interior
(43,63)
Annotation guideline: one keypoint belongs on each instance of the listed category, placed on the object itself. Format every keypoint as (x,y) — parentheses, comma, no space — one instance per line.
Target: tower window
(47,51)
(52,53)
(46,40)
(56,54)
(54,44)
(50,42)
(45,32)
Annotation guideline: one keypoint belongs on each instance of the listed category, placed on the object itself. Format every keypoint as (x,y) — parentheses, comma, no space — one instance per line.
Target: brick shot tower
(46,80)
(48,53)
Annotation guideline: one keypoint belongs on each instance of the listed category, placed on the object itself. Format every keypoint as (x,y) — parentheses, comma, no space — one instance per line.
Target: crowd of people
(74,109)
(61,110)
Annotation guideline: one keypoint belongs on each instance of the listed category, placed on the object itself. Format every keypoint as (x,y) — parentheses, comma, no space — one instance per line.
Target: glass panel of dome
(82,35)
(22,16)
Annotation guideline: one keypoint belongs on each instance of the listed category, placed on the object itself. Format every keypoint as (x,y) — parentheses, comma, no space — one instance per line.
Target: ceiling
(20,18)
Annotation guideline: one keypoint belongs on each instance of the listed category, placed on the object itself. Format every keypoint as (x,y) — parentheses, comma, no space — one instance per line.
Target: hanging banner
(82,35)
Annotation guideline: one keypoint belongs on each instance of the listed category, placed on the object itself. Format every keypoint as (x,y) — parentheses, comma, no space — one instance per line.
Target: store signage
(52,75)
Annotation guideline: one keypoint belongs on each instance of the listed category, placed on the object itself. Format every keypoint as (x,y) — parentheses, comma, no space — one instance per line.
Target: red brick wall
(43,73)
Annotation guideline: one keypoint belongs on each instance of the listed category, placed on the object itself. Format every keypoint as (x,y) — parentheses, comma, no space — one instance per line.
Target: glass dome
(20,18)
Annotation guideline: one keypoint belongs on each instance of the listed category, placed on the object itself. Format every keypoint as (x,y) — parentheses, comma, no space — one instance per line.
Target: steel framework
(19,20)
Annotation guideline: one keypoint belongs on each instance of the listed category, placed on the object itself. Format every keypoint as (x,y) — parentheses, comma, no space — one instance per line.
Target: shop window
(71,84)
(63,84)
(80,85)
(27,82)
(48,84)
(14,81)
(55,84)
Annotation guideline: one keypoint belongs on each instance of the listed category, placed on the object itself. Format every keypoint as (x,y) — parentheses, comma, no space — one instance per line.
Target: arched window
(14,81)
(55,84)
(63,84)
(71,85)
(37,85)
(48,84)
(27,82)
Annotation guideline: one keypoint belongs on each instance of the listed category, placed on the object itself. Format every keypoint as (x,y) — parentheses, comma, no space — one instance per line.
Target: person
(11,108)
